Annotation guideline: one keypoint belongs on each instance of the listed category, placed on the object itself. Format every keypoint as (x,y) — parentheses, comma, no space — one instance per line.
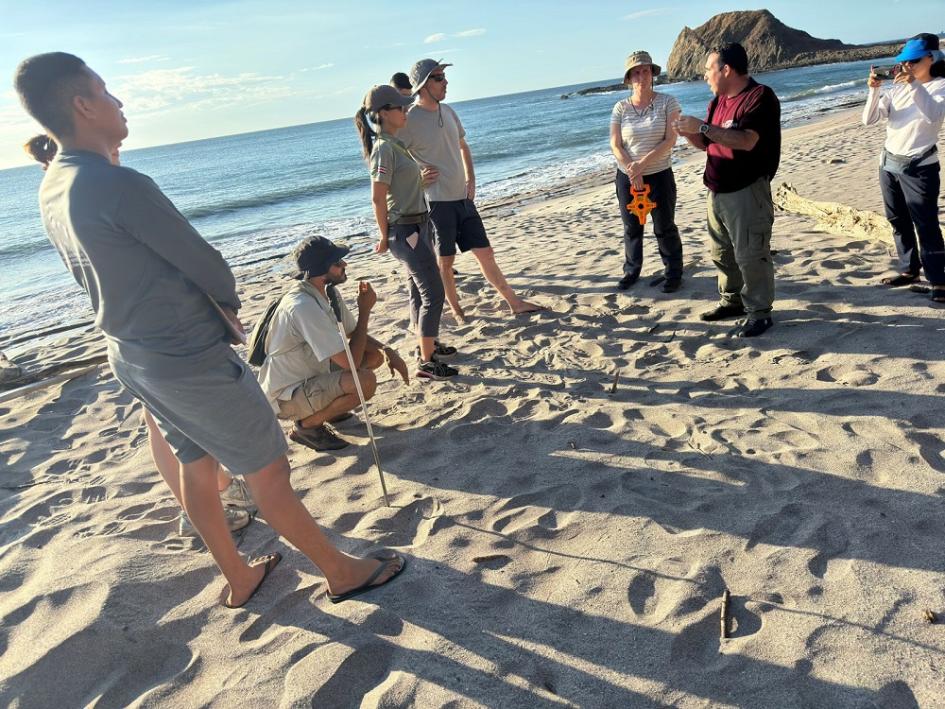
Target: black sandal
(900,279)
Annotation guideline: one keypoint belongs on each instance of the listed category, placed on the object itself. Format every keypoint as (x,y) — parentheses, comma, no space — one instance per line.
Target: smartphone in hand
(884,73)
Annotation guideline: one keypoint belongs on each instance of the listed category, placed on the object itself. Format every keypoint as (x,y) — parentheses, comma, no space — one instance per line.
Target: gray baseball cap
(640,58)
(385,95)
(420,72)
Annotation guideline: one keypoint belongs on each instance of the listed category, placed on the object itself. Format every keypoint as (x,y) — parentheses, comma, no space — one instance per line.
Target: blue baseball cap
(912,50)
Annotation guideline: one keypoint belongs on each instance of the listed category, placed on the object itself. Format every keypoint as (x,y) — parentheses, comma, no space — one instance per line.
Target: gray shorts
(217,409)
(311,396)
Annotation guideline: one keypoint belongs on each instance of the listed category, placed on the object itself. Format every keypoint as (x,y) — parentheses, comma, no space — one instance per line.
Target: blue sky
(197,69)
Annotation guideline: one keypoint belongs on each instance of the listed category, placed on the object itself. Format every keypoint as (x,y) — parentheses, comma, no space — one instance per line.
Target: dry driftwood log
(834,217)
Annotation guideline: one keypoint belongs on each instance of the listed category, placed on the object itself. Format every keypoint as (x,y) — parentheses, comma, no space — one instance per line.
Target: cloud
(440,36)
(646,13)
(142,60)
(160,90)
(320,67)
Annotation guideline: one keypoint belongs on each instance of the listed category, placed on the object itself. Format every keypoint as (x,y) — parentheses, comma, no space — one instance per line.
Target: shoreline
(12,343)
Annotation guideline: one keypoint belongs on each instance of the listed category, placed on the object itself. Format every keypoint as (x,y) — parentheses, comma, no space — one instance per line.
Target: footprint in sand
(848,375)
(410,526)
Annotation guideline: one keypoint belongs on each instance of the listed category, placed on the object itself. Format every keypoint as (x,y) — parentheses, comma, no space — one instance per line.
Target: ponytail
(41,148)
(362,121)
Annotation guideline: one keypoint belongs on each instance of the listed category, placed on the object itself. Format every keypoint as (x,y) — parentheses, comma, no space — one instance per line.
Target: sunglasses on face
(392,108)
(438,77)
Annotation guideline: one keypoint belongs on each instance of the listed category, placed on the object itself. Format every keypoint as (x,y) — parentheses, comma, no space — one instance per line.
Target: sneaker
(236,519)
(755,326)
(434,370)
(721,312)
(671,285)
(320,438)
(237,494)
(440,351)
(627,281)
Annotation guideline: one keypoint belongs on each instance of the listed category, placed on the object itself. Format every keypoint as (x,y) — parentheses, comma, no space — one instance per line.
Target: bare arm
(727,137)
(379,202)
(733,138)
(357,342)
(468,168)
(616,146)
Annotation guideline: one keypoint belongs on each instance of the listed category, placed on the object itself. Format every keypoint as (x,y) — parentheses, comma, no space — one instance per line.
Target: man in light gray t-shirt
(436,139)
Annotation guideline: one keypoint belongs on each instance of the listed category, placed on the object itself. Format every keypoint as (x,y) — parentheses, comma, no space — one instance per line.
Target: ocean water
(257,194)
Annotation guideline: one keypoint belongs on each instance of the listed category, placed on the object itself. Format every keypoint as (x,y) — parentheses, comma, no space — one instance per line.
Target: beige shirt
(303,337)
(432,137)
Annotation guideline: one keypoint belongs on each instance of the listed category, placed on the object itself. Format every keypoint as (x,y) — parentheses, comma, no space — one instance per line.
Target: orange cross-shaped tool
(641,205)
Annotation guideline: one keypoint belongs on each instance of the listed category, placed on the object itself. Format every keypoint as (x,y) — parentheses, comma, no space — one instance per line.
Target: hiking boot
(671,285)
(434,370)
(236,519)
(440,351)
(755,326)
(237,494)
(723,312)
(319,438)
(627,281)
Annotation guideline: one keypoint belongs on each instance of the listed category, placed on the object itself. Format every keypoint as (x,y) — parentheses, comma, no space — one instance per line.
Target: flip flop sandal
(901,279)
(918,288)
(385,558)
(272,560)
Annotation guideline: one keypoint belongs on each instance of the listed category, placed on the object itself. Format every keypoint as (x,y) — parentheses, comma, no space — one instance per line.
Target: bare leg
(344,403)
(201,501)
(427,345)
(449,287)
(286,514)
(492,272)
(168,465)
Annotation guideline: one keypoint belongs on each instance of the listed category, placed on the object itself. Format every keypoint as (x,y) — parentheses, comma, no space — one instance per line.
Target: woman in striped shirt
(642,138)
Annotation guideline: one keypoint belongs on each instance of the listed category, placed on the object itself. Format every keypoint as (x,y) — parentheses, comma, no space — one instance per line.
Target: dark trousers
(424,285)
(911,203)
(663,192)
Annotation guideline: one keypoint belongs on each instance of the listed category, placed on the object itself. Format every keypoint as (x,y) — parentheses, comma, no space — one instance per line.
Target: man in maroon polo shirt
(742,139)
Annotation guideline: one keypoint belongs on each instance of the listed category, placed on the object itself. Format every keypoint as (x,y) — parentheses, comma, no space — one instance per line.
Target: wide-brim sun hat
(420,72)
(640,58)
(384,95)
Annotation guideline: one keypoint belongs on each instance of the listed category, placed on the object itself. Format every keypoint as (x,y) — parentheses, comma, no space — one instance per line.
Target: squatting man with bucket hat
(306,374)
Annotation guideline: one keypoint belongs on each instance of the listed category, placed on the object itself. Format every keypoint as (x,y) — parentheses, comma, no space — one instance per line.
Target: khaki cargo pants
(740,228)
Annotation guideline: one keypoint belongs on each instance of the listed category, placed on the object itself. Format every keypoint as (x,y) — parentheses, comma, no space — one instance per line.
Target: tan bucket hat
(639,58)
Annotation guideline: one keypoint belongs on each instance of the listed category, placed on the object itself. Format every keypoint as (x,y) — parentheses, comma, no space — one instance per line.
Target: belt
(413,218)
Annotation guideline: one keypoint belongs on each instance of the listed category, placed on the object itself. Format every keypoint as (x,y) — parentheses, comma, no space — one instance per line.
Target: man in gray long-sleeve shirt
(151,277)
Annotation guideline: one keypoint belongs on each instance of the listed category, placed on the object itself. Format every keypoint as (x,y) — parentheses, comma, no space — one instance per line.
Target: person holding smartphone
(909,175)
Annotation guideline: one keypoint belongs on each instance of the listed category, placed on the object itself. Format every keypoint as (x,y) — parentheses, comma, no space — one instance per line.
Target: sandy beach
(570,531)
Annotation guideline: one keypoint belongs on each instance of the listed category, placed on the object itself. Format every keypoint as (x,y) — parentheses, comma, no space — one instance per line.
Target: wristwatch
(704,128)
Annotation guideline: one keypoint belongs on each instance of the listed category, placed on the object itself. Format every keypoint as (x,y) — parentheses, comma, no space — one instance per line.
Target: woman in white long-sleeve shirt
(909,175)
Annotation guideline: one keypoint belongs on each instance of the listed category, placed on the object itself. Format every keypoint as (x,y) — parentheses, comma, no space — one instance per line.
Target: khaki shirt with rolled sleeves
(303,337)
